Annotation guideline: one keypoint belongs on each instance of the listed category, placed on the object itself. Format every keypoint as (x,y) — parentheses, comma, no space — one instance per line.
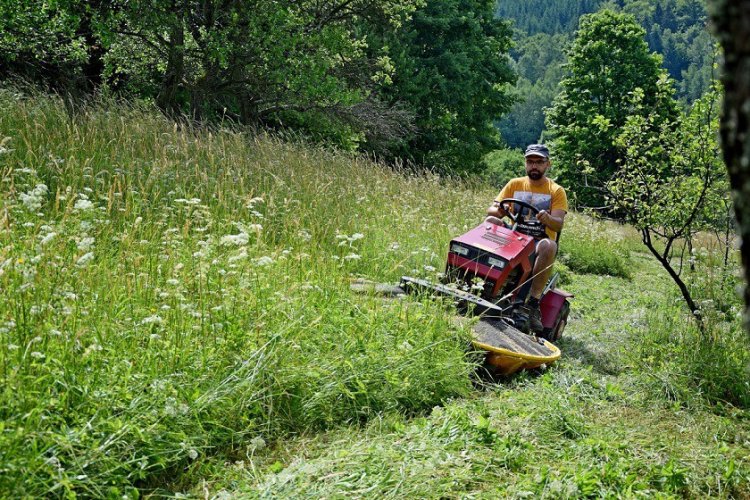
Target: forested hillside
(676,29)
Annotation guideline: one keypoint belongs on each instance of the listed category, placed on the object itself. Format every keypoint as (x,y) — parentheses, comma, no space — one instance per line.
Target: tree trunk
(171,83)
(667,265)
(731,22)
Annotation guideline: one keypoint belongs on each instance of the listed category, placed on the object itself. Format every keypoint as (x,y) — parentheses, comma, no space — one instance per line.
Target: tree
(539,66)
(609,60)
(42,41)
(254,61)
(732,25)
(670,175)
(451,69)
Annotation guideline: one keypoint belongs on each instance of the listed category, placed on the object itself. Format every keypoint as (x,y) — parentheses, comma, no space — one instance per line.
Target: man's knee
(546,249)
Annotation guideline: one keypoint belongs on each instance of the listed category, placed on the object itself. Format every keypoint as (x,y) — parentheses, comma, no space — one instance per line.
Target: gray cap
(537,150)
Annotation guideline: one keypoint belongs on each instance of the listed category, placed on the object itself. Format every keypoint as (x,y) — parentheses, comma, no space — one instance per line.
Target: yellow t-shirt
(549,196)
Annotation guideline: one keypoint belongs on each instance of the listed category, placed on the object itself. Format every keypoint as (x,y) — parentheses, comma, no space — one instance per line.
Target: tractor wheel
(564,311)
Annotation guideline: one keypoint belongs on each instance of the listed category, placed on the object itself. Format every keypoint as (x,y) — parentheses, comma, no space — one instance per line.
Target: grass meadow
(175,302)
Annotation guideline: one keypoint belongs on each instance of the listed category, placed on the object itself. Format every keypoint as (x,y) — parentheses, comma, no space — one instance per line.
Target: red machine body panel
(498,240)
(550,305)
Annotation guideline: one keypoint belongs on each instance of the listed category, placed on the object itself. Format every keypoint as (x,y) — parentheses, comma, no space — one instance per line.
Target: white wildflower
(173,282)
(240,239)
(192,454)
(86,243)
(154,319)
(85,259)
(34,198)
(47,238)
(264,261)
(239,256)
(252,202)
(352,256)
(82,204)
(37,355)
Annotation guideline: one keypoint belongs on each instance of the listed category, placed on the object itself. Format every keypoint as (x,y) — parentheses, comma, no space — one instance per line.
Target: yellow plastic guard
(510,350)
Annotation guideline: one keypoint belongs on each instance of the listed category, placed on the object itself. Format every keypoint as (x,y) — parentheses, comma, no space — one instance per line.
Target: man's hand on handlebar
(496,210)
(544,217)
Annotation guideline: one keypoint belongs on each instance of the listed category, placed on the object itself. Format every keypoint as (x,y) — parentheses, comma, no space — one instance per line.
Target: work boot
(520,316)
(535,316)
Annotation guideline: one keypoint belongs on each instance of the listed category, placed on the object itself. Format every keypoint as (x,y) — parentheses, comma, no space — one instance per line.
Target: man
(551,201)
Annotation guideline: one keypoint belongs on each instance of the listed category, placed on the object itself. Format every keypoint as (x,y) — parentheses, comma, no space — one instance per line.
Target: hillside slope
(176,299)
(602,422)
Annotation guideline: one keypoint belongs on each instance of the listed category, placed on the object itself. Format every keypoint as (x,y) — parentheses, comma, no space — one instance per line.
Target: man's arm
(553,220)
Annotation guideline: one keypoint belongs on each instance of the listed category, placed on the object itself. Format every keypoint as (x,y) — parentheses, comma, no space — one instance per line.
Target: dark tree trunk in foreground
(731,20)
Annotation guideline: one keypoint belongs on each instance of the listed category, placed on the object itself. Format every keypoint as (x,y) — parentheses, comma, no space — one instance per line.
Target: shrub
(503,165)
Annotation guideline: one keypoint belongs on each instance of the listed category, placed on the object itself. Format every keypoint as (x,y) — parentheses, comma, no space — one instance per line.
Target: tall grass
(170,292)
(594,247)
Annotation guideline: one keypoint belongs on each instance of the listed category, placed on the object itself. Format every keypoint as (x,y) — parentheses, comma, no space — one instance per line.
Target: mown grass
(627,412)
(175,296)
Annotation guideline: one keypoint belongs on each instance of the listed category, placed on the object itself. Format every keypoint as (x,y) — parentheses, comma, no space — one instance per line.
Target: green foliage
(592,248)
(539,65)
(545,16)
(691,368)
(672,180)
(675,29)
(450,68)
(503,165)
(170,293)
(251,60)
(41,40)
(352,73)
(608,61)
(669,168)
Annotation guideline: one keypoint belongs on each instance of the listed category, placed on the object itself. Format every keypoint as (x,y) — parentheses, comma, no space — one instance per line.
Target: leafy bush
(503,165)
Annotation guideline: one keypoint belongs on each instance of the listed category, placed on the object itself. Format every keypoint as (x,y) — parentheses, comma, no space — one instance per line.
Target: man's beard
(535,175)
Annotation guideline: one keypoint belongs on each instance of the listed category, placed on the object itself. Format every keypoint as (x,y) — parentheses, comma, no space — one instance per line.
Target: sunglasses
(536,162)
